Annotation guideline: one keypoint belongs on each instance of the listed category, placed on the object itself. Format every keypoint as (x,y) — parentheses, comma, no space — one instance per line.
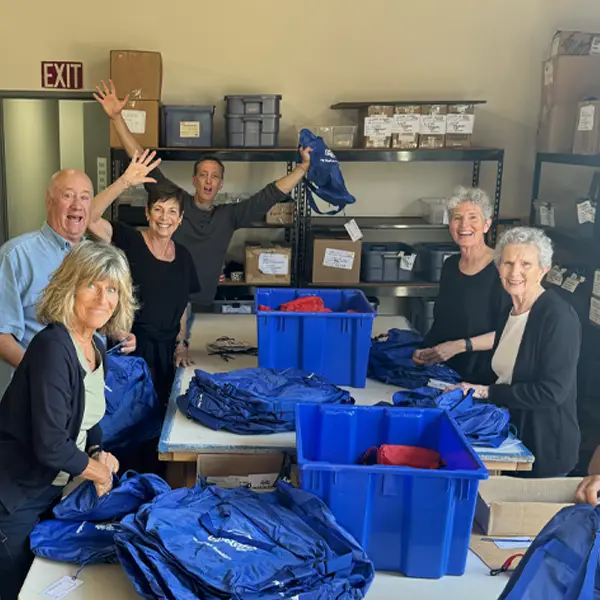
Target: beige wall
(70,114)
(317,52)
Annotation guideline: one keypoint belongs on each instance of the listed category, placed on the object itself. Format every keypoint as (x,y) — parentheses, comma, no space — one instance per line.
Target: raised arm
(135,174)
(113,107)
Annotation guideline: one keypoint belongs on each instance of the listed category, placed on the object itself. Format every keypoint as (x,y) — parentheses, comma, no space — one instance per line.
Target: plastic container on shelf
(421,314)
(435,211)
(187,126)
(252,131)
(334,345)
(266,104)
(414,521)
(431,258)
(343,136)
(390,263)
(233,307)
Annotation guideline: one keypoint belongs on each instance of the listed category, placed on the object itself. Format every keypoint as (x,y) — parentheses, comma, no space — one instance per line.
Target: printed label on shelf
(378,126)
(555,275)
(571,283)
(438,384)
(353,230)
(549,73)
(432,124)
(406,124)
(407,261)
(595,47)
(253,481)
(339,259)
(189,129)
(59,589)
(595,310)
(586,212)
(273,264)
(586,118)
(136,120)
(596,288)
(463,124)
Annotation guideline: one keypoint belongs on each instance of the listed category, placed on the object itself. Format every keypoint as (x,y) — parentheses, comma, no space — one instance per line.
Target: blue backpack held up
(562,561)
(133,413)
(324,178)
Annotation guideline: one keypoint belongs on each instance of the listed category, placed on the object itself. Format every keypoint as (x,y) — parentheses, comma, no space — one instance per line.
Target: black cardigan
(40,418)
(542,398)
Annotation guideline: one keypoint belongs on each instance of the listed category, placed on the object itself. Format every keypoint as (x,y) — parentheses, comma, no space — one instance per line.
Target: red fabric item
(262,307)
(406,456)
(312,304)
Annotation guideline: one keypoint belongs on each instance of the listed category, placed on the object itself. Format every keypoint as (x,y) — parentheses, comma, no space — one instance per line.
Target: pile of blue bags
(211,543)
(255,401)
(390,361)
(84,526)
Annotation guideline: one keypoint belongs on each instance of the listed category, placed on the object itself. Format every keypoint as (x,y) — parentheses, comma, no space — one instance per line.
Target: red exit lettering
(62,75)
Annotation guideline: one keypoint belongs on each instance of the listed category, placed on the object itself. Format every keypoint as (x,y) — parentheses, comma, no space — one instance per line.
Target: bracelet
(91,452)
(185,343)
(468,345)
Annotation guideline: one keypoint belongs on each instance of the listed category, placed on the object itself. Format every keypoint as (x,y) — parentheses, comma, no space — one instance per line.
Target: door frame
(23,95)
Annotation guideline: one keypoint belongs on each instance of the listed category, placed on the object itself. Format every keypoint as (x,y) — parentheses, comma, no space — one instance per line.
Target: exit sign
(62,75)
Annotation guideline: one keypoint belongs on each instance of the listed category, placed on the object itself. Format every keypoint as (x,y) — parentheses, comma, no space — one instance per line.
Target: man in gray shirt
(206,229)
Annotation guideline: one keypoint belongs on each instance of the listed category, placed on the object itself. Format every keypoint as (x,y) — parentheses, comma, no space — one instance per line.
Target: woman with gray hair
(50,412)
(535,355)
(470,296)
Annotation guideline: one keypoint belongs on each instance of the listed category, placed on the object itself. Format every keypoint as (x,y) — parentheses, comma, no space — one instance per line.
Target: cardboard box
(515,506)
(575,43)
(268,265)
(376,129)
(142,118)
(570,79)
(137,73)
(405,129)
(432,126)
(556,128)
(460,123)
(336,260)
(587,130)
(255,471)
(281,214)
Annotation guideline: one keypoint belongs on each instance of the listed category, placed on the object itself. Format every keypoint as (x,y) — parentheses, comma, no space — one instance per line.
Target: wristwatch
(468,345)
(185,343)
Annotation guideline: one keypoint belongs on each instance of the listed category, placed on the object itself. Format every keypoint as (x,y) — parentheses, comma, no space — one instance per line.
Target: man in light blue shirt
(28,261)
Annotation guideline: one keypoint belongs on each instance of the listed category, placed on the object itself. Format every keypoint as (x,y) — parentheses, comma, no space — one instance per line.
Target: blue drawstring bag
(324,178)
(127,495)
(562,561)
(133,412)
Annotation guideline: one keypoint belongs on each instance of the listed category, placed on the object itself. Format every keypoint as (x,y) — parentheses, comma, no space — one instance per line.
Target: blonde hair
(87,262)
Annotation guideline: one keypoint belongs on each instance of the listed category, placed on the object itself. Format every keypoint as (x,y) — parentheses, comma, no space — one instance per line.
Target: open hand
(107,97)
(440,353)
(139,167)
(181,358)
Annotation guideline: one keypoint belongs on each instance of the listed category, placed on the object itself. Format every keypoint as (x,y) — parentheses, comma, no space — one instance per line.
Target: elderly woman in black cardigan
(535,358)
(50,413)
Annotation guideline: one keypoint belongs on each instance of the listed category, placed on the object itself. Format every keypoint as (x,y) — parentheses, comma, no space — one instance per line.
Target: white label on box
(244,309)
(438,384)
(571,283)
(549,73)
(555,275)
(595,48)
(432,124)
(585,212)
(353,230)
(378,126)
(547,215)
(407,261)
(273,264)
(595,310)
(517,543)
(339,259)
(189,129)
(59,589)
(462,124)
(406,124)
(596,288)
(136,120)
(586,118)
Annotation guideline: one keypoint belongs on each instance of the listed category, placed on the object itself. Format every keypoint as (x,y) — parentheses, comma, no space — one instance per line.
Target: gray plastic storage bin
(187,126)
(421,314)
(383,263)
(233,307)
(267,104)
(251,131)
(431,257)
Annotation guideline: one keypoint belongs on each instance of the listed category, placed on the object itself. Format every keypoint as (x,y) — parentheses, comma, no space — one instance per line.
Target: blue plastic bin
(414,521)
(334,345)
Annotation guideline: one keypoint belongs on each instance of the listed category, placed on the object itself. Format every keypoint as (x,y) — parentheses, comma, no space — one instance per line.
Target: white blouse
(503,361)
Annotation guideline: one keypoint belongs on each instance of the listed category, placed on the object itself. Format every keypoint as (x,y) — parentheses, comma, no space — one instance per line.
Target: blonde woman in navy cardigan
(49,414)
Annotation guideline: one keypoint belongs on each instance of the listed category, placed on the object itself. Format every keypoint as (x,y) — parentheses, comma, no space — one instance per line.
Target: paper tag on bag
(595,310)
(273,264)
(59,589)
(407,261)
(353,230)
(555,275)
(596,288)
(438,384)
(339,259)
(586,118)
(571,283)
(586,212)
(136,120)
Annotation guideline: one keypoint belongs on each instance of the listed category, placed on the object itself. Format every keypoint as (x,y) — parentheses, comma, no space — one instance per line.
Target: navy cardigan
(40,418)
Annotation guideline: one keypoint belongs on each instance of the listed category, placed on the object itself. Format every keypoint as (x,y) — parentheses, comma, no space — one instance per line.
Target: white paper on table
(513,543)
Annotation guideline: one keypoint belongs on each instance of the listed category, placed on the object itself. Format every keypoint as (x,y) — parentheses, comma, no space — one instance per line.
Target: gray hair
(527,236)
(86,263)
(475,196)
